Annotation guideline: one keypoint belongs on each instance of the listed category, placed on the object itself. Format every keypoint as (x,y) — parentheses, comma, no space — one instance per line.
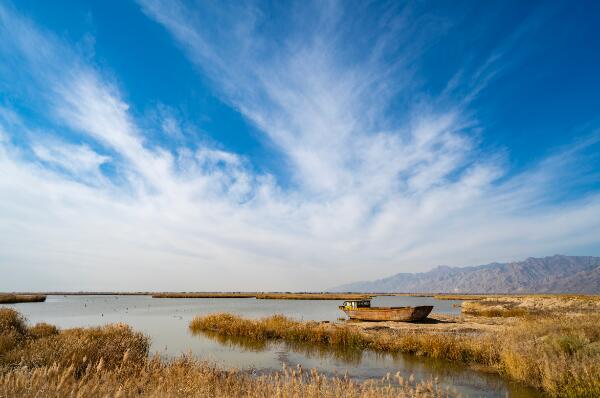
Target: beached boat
(361,310)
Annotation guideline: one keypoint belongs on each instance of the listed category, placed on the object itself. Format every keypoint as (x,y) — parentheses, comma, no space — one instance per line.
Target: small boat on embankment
(361,310)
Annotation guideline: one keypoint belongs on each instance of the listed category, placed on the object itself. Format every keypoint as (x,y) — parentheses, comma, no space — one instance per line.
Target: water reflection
(348,356)
(245,343)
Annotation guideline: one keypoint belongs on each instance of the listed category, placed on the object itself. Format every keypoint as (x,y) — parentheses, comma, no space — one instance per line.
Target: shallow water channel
(165,321)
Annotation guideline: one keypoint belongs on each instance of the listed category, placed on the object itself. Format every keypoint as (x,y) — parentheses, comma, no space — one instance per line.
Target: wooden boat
(362,310)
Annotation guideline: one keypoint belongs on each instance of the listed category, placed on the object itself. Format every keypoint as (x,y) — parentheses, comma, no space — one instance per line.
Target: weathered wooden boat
(361,310)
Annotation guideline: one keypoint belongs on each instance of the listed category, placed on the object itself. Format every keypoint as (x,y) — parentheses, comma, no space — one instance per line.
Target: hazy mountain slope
(555,274)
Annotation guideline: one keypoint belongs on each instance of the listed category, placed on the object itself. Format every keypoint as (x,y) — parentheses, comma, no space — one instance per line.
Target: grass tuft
(45,345)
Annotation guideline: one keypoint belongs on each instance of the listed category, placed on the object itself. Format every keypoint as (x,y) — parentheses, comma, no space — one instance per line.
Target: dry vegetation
(495,308)
(560,356)
(82,293)
(44,345)
(21,298)
(188,378)
(509,306)
(41,361)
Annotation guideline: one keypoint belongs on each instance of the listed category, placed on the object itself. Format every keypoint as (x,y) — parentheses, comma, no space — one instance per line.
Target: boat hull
(378,314)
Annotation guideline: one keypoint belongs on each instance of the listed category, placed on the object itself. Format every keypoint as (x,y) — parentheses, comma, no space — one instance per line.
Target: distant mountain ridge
(553,274)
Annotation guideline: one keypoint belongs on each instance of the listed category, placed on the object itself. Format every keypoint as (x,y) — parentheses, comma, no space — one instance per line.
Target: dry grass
(44,345)
(560,356)
(21,298)
(188,378)
(205,295)
(42,361)
(313,296)
(494,308)
(82,293)
(507,306)
(42,329)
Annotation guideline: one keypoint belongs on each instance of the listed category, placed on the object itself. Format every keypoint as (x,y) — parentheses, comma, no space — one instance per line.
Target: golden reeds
(21,298)
(186,377)
(559,354)
(508,306)
(44,345)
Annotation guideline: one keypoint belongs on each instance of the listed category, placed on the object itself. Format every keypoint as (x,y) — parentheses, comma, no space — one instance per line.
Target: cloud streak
(109,209)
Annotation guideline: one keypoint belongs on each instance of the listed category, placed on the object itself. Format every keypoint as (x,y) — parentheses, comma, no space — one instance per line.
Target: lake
(166,321)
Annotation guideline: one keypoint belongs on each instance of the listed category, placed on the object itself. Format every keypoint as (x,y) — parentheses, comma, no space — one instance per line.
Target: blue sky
(292,145)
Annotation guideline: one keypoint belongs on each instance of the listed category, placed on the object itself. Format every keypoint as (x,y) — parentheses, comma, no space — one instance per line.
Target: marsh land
(517,346)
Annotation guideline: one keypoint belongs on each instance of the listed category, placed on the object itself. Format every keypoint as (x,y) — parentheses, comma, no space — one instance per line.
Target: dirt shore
(440,323)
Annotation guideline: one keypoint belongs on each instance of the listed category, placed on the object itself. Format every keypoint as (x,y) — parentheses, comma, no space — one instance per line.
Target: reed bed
(509,306)
(188,378)
(21,298)
(45,345)
(42,361)
(82,293)
(495,308)
(557,354)
(560,356)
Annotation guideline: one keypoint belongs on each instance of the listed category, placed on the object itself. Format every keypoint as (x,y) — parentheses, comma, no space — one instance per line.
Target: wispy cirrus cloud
(397,192)
(77,159)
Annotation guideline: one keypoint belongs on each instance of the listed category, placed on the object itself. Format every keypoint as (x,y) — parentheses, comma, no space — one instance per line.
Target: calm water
(166,322)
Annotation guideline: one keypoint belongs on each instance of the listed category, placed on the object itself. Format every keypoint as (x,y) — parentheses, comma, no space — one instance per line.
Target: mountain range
(553,274)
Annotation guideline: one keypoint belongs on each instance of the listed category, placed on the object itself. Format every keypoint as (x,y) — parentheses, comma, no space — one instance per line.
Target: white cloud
(79,160)
(369,191)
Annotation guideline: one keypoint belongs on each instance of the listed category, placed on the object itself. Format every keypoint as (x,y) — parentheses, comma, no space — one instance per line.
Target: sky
(231,145)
